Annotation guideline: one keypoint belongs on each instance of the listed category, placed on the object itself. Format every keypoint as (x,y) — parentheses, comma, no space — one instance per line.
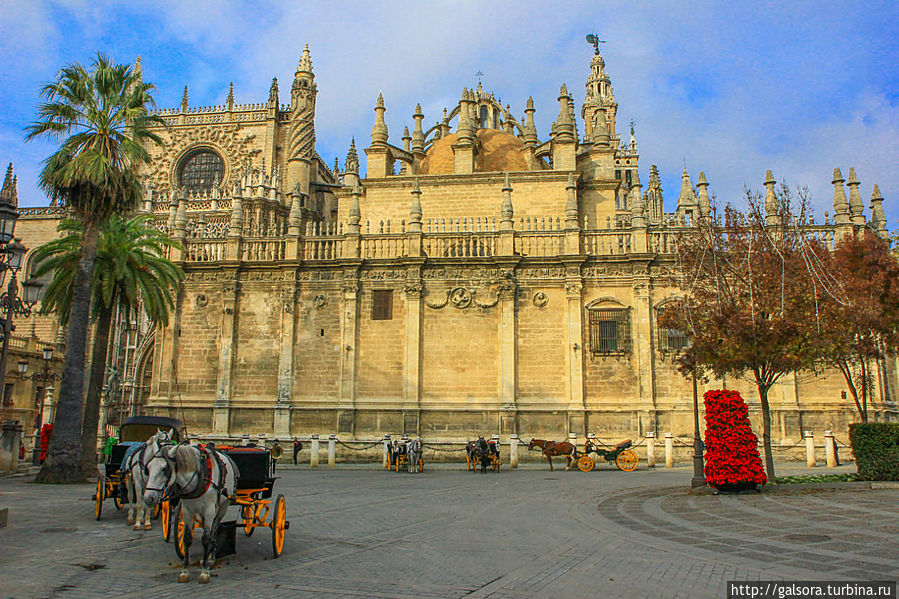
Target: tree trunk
(63,463)
(766,432)
(94,388)
(846,369)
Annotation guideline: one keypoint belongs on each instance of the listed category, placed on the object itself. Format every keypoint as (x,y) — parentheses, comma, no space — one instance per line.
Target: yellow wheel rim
(165,519)
(98,508)
(279,525)
(585,463)
(179,534)
(627,461)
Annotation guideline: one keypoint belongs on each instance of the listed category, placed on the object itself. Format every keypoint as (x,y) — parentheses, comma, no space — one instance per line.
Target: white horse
(134,470)
(413,454)
(205,480)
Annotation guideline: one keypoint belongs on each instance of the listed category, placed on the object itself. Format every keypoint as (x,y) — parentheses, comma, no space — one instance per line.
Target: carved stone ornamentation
(202,300)
(413,290)
(507,286)
(540,299)
(460,297)
(320,301)
(350,286)
(573,289)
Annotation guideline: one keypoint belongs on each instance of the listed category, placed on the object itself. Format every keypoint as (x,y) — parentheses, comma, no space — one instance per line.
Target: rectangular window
(609,331)
(382,304)
(673,340)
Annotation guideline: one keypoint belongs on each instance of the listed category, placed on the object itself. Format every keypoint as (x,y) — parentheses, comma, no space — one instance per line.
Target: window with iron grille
(382,304)
(201,171)
(670,339)
(610,330)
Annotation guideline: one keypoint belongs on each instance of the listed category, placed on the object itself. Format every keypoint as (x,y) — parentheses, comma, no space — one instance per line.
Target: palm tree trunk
(63,463)
(766,432)
(94,387)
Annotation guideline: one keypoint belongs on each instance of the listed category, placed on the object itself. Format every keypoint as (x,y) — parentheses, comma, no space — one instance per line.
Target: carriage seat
(623,444)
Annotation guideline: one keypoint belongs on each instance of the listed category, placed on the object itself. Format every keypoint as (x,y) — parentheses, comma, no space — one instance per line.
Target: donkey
(206,480)
(134,469)
(413,454)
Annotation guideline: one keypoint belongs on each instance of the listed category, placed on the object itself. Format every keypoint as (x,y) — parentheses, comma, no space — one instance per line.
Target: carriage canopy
(141,428)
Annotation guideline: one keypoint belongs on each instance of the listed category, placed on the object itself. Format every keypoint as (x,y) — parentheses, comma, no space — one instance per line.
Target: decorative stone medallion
(540,299)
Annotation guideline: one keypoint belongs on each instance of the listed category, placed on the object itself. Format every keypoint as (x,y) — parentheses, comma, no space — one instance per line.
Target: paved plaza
(359,531)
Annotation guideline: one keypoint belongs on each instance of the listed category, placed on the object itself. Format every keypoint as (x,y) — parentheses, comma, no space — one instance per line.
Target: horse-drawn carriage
(253,493)
(484,453)
(407,452)
(620,455)
(133,434)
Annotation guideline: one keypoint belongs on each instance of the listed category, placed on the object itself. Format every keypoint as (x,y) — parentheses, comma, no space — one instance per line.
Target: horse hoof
(204,578)
(148,527)
(129,521)
(183,577)
(137,526)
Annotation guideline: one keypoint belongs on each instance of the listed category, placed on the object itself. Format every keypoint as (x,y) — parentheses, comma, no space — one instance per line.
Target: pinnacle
(837,176)
(305,65)
(184,97)
(769,177)
(875,195)
(853,179)
(416,188)
(703,181)
(507,186)
(8,192)
(380,103)
(570,181)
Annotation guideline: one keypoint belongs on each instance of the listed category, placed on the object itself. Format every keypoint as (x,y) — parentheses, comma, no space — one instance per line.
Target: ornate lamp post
(10,302)
(45,376)
(698,462)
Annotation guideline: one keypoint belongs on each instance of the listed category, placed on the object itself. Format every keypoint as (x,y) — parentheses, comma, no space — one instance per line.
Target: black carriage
(255,487)
(397,454)
(493,454)
(110,478)
(621,455)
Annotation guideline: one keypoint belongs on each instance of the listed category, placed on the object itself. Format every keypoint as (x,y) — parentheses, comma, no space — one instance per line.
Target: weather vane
(592,39)
(479,74)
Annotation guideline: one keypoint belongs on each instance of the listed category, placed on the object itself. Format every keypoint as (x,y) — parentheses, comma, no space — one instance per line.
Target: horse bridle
(170,467)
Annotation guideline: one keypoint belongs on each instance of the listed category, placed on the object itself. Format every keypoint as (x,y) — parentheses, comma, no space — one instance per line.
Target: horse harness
(204,475)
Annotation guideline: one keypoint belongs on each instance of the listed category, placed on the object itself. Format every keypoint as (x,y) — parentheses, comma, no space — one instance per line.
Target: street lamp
(698,462)
(45,376)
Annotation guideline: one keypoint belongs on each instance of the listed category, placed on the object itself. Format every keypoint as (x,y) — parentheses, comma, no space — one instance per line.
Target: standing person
(297,448)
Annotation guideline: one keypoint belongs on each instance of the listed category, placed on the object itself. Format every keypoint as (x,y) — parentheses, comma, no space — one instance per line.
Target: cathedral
(479,277)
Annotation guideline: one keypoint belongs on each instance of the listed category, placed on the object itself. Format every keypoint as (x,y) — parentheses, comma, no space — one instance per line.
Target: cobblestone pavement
(359,531)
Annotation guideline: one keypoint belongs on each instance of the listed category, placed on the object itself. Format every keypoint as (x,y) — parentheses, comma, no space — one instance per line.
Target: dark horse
(551,448)
(481,453)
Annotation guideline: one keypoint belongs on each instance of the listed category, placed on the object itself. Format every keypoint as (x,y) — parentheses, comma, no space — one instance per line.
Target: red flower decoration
(732,455)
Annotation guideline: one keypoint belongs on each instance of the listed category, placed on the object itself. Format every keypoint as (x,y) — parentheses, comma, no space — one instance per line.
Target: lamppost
(45,376)
(698,462)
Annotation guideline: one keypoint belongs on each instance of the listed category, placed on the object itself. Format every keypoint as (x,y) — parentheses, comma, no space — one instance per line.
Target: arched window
(201,171)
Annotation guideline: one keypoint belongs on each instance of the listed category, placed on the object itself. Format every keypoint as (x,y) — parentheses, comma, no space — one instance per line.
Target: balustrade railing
(204,250)
(459,245)
(540,243)
(384,246)
(263,250)
(607,242)
(327,247)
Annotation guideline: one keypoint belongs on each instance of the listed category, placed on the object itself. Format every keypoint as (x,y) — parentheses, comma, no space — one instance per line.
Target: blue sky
(730,88)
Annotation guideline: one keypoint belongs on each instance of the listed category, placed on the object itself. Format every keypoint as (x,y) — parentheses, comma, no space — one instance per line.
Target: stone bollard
(829,453)
(513,451)
(332,450)
(809,449)
(386,458)
(669,450)
(313,452)
(651,449)
(9,446)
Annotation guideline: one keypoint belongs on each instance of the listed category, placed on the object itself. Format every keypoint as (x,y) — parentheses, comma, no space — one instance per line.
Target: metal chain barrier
(435,448)
(801,441)
(365,448)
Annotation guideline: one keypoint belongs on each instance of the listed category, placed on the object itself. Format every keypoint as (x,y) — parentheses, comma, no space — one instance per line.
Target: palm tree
(101,118)
(130,271)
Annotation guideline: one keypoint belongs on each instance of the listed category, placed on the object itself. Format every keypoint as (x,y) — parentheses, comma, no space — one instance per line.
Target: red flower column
(732,455)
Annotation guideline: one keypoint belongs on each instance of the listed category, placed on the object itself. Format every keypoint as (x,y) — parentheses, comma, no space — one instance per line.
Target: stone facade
(478,279)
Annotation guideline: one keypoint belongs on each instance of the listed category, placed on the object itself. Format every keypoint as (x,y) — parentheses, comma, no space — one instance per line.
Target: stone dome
(497,151)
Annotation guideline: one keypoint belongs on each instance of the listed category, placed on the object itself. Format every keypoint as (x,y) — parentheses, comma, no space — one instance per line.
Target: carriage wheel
(248,515)
(279,525)
(101,492)
(421,465)
(165,513)
(467,462)
(585,463)
(498,465)
(179,535)
(119,494)
(157,510)
(627,460)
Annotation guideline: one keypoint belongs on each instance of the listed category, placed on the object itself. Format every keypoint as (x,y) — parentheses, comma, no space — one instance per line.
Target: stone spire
(336,168)
(184,100)
(686,199)
(878,218)
(418,135)
(633,143)
(304,68)
(506,211)
(351,164)
(444,125)
(230,101)
(705,203)
(273,99)
(407,139)
(530,130)
(856,205)
(635,195)
(379,131)
(355,213)
(772,206)
(653,200)
(571,203)
(564,125)
(840,205)
(415,209)
(9,194)
(602,137)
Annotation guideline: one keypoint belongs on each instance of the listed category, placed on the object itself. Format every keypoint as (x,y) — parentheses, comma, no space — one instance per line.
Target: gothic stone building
(477,279)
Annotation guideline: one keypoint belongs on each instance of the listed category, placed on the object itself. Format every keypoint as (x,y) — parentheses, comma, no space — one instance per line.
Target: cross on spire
(479,74)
